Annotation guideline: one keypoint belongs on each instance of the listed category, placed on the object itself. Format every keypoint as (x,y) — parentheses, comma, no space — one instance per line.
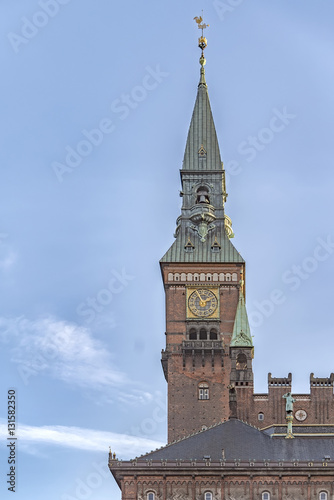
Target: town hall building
(225,442)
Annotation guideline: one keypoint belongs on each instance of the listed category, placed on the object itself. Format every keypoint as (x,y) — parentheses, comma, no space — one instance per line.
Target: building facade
(224,441)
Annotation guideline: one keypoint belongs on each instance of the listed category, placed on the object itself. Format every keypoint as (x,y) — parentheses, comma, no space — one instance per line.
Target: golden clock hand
(207,300)
(201,301)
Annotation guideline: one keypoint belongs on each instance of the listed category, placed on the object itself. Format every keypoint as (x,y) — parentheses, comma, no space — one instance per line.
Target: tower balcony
(199,345)
(202,349)
(202,212)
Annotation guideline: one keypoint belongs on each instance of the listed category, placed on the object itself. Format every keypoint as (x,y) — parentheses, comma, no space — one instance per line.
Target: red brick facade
(226,481)
(207,363)
(187,368)
(318,404)
(188,364)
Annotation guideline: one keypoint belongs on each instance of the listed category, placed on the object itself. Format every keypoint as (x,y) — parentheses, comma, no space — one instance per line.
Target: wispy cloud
(62,350)
(69,353)
(81,439)
(136,397)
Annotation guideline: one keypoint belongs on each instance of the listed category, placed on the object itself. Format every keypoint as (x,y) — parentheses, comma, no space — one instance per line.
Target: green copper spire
(202,221)
(241,332)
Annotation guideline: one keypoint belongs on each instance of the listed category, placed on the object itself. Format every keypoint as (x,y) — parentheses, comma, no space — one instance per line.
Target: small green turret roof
(241,332)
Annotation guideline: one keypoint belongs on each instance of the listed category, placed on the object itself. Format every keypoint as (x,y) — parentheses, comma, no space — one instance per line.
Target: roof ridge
(196,433)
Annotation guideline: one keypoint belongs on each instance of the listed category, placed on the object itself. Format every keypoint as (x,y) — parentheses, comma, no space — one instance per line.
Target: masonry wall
(239,487)
(318,405)
(188,368)
(186,413)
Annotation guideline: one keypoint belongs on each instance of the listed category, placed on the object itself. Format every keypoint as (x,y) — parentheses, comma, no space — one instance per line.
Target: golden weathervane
(202,41)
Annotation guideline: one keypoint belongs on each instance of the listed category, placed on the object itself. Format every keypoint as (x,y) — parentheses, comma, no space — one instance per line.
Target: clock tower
(207,361)
(215,449)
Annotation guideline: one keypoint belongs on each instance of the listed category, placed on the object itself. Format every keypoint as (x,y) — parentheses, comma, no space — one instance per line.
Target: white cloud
(136,397)
(62,350)
(124,445)
(67,352)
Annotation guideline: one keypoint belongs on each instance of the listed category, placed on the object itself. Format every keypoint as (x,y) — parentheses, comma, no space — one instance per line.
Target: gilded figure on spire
(201,26)
(202,41)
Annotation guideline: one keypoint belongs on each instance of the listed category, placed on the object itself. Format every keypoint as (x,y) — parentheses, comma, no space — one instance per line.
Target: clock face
(202,302)
(300,415)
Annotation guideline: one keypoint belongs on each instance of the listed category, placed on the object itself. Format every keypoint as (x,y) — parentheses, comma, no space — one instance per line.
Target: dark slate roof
(242,441)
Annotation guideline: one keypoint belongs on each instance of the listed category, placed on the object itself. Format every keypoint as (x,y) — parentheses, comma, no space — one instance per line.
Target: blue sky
(81,234)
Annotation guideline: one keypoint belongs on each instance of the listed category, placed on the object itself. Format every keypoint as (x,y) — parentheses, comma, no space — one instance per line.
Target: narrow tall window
(213,334)
(241,363)
(208,495)
(265,495)
(203,334)
(203,391)
(192,334)
(150,496)
(323,495)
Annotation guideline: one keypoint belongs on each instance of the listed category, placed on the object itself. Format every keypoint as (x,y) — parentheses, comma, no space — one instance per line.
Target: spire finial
(202,41)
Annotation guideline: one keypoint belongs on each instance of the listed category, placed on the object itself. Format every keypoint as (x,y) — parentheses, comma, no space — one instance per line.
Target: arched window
(265,495)
(203,334)
(202,195)
(208,495)
(192,334)
(203,391)
(150,496)
(260,416)
(213,334)
(323,495)
(241,363)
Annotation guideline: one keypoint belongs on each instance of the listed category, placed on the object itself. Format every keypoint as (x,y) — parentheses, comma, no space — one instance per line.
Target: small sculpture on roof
(289,402)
